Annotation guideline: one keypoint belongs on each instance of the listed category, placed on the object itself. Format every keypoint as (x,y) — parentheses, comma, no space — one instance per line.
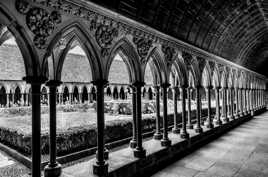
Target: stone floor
(242,152)
(11,168)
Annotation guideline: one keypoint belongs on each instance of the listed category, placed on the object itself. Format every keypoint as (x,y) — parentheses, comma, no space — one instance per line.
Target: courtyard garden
(76,125)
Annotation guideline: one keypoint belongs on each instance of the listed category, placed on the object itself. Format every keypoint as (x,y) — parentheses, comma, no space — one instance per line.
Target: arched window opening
(44,96)
(75,95)
(17,96)
(84,95)
(66,98)
(3,97)
(122,93)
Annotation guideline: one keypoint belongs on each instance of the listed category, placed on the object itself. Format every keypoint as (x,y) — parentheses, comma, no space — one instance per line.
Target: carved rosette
(169,53)
(105,35)
(201,63)
(39,21)
(143,46)
(187,58)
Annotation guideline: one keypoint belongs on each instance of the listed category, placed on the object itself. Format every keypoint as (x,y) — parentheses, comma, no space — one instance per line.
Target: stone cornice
(84,9)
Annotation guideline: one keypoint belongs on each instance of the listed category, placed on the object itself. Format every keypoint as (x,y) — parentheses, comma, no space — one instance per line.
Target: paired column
(208,122)
(189,98)
(158,134)
(241,102)
(100,168)
(165,140)
(232,103)
(175,129)
(217,119)
(184,133)
(224,117)
(198,128)
(53,169)
(139,151)
(133,142)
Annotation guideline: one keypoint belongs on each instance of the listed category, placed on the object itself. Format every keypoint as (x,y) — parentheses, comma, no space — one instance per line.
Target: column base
(198,129)
(52,170)
(165,142)
(185,135)
(209,124)
(252,113)
(100,170)
(176,130)
(132,143)
(189,126)
(158,136)
(231,118)
(217,122)
(225,120)
(139,153)
(237,116)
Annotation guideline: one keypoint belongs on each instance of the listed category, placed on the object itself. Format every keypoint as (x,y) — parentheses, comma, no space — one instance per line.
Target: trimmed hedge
(80,138)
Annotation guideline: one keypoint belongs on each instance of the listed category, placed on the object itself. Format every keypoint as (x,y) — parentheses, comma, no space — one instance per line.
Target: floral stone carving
(169,53)
(143,46)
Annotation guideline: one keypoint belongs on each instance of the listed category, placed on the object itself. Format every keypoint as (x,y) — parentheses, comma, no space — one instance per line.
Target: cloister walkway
(242,152)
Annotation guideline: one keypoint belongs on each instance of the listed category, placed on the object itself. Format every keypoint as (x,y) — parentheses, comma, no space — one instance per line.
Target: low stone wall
(84,137)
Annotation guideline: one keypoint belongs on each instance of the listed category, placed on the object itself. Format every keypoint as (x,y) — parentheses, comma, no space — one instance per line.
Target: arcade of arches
(127,57)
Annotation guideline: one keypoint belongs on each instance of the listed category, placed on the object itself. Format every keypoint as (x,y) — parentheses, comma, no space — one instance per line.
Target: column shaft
(133,142)
(189,98)
(157,134)
(176,121)
(198,127)
(165,140)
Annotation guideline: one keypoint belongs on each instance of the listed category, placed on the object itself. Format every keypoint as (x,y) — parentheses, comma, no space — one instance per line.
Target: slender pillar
(184,133)
(158,134)
(208,122)
(228,102)
(100,168)
(8,102)
(175,129)
(139,152)
(224,117)
(241,102)
(165,140)
(189,98)
(53,169)
(245,100)
(80,97)
(198,128)
(36,124)
(133,142)
(236,103)
(232,103)
(217,119)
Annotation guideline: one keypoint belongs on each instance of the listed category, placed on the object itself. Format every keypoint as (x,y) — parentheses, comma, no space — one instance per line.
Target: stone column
(139,152)
(184,133)
(245,100)
(36,123)
(208,122)
(133,142)
(8,102)
(13,98)
(80,97)
(158,134)
(175,129)
(224,117)
(231,103)
(100,168)
(53,169)
(165,140)
(198,128)
(237,103)
(189,95)
(241,102)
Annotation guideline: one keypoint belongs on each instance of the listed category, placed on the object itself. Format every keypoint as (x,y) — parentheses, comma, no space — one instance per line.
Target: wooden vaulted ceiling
(234,29)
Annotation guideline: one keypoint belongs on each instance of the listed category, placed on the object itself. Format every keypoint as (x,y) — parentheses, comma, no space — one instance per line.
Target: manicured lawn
(66,120)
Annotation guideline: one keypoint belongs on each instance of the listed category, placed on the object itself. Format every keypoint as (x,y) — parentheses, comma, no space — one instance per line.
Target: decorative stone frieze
(143,46)
(169,54)
(39,21)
